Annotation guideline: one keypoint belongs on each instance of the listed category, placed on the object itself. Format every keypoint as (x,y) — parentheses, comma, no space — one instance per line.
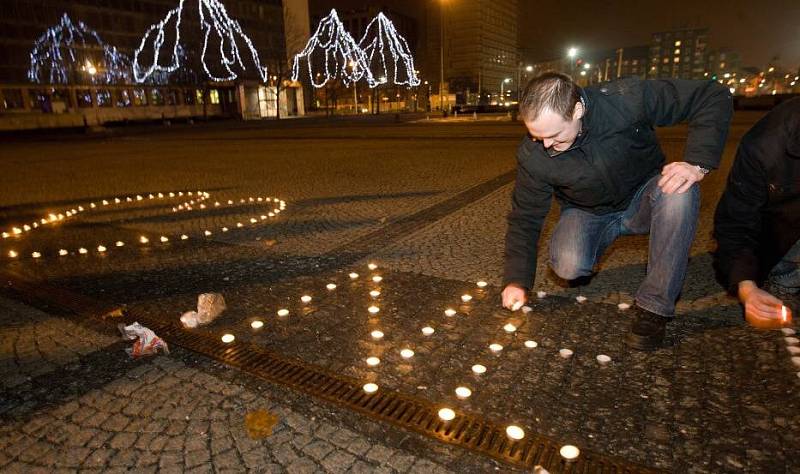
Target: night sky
(758,29)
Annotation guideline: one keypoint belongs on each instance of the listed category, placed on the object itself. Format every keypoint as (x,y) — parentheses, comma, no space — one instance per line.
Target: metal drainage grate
(416,414)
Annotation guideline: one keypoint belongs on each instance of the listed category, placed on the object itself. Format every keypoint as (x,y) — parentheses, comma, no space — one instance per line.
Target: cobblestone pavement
(720,398)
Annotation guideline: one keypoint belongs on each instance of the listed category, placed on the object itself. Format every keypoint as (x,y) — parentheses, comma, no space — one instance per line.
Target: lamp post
(441,56)
(355,92)
(502,83)
(519,77)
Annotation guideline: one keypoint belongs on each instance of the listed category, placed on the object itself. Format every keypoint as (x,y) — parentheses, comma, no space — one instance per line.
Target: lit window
(213,95)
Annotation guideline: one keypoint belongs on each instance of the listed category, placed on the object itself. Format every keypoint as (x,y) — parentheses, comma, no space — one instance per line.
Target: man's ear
(577,114)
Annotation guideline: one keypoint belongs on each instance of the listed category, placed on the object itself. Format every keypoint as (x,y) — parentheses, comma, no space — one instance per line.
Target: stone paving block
(318,449)
(99,458)
(302,466)
(338,461)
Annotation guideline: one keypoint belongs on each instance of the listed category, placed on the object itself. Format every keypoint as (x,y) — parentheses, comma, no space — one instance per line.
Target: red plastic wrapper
(146,342)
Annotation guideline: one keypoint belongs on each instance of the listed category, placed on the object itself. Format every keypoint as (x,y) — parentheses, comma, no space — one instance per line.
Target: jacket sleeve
(737,221)
(705,105)
(530,204)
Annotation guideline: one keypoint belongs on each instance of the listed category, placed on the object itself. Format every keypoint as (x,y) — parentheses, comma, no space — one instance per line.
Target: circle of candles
(373,361)
(228,338)
(565,353)
(101,248)
(495,347)
(791,340)
(377,278)
(376,334)
(603,359)
(82,251)
(372,266)
(466,298)
(509,328)
(446,414)
(788,331)
(374,293)
(580,298)
(353,275)
(144,239)
(36,255)
(481,284)
(257,324)
(794,350)
(479,369)
(515,432)
(184,237)
(531,344)
(373,309)
(449,312)
(463,392)
(623,306)
(370,387)
(164,238)
(427,330)
(330,286)
(283,312)
(63,252)
(569,452)
(406,353)
(12,254)
(305,299)
(120,243)
(541,294)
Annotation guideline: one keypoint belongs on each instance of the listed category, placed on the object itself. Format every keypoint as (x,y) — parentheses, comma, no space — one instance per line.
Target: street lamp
(355,91)
(502,83)
(441,56)
(528,68)
(572,53)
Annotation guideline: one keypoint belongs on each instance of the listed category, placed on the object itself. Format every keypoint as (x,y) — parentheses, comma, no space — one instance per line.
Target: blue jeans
(786,274)
(580,238)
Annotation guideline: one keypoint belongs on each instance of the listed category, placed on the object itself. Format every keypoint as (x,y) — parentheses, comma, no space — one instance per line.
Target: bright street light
(572,52)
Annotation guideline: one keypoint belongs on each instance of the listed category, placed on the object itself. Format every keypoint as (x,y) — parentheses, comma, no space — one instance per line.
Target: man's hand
(678,177)
(758,303)
(513,294)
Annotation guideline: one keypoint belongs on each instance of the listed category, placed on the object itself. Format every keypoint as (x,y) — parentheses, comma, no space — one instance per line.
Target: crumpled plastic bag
(146,341)
(209,307)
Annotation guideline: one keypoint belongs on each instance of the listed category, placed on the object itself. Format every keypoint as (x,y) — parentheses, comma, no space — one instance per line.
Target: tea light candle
(63,252)
(144,239)
(120,243)
(253,220)
(353,275)
(796,361)
(305,299)
(331,286)
(788,331)
(101,248)
(466,298)
(12,254)
(580,298)
(495,347)
(377,278)
(239,225)
(370,387)
(515,432)
(541,294)
(376,334)
(565,353)
(406,353)
(449,312)
(446,414)
(36,255)
(481,284)
(374,293)
(479,369)
(603,359)
(373,361)
(509,328)
(427,330)
(794,350)
(623,306)
(372,266)
(569,452)
(228,338)
(207,233)
(531,344)
(184,237)
(224,229)
(791,340)
(516,306)
(526,309)
(463,392)
(283,312)
(82,251)
(257,324)
(373,309)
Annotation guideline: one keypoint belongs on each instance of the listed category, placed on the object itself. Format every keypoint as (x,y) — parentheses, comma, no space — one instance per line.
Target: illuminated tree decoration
(161,52)
(386,50)
(68,50)
(332,46)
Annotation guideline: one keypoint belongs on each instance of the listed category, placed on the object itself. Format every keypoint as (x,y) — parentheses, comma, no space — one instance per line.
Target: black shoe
(647,330)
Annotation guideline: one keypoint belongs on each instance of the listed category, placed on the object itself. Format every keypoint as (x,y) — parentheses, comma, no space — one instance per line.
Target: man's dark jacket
(758,217)
(615,154)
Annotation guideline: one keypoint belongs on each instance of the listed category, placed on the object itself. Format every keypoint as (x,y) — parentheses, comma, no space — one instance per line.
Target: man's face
(556,133)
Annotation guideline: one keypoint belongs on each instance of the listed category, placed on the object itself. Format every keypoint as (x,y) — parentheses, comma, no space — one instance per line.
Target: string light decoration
(67,49)
(219,30)
(386,50)
(332,46)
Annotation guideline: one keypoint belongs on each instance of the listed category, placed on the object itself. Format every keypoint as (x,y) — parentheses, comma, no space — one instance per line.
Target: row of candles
(446,414)
(143,239)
